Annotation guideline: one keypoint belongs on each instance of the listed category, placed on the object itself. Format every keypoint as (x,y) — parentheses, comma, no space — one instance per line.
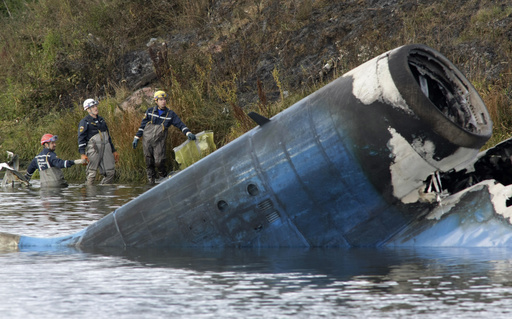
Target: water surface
(231,283)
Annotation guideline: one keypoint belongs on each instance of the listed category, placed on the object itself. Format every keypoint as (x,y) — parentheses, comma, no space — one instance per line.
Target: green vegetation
(56,53)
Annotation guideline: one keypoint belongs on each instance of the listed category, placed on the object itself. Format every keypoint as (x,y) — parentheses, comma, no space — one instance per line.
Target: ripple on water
(231,283)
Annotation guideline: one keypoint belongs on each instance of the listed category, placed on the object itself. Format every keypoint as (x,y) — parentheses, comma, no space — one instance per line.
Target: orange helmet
(47,138)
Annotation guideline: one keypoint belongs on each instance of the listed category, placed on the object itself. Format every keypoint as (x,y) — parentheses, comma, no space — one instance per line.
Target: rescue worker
(154,126)
(49,164)
(95,145)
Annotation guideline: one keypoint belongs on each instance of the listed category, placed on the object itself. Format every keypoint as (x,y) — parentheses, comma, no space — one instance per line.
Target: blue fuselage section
(344,167)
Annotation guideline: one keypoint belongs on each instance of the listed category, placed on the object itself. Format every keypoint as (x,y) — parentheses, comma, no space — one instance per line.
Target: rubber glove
(135,142)
(82,161)
(191,136)
(116,157)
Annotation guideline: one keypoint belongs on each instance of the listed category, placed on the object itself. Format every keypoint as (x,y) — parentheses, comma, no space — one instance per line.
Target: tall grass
(56,53)
(481,26)
(122,125)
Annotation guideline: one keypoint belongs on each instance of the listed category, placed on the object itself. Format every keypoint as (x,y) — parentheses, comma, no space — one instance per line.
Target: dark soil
(321,42)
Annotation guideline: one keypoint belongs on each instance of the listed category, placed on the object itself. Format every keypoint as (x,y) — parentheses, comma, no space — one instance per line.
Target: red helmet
(47,138)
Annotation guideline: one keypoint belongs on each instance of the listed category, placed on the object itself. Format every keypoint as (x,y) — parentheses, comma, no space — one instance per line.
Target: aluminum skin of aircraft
(386,155)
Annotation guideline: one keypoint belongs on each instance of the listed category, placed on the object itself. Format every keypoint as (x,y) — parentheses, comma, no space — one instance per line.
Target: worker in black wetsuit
(153,127)
(49,164)
(95,145)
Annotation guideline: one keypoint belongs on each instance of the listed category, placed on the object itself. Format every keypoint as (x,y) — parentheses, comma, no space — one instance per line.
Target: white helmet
(90,103)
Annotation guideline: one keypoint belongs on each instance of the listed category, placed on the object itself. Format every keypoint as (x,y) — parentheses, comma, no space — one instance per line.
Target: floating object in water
(12,175)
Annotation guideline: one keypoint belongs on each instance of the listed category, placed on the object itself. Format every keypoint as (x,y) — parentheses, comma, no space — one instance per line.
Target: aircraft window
(253,190)
(222,205)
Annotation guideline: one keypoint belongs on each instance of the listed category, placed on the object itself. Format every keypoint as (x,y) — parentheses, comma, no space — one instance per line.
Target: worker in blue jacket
(49,164)
(153,127)
(95,145)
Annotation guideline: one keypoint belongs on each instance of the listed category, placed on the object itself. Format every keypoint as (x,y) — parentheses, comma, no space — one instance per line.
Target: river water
(231,283)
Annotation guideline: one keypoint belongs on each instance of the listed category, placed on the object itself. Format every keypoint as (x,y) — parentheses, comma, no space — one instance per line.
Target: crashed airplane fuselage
(360,162)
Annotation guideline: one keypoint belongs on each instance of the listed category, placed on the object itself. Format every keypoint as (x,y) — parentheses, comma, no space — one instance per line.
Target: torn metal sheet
(12,176)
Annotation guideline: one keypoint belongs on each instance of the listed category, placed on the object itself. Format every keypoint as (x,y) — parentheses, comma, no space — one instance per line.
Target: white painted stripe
(160,117)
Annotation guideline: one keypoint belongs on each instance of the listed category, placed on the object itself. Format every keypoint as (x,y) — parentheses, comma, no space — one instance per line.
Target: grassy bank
(227,123)
(56,53)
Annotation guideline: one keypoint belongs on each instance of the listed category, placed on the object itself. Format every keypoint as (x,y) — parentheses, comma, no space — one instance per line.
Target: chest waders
(52,177)
(153,145)
(99,152)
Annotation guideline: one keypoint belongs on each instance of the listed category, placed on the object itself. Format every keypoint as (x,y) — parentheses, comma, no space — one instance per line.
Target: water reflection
(379,283)
(234,282)
(396,263)
(337,262)
(48,212)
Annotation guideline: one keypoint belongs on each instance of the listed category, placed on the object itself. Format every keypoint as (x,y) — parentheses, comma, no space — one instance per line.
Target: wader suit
(49,166)
(95,142)
(154,127)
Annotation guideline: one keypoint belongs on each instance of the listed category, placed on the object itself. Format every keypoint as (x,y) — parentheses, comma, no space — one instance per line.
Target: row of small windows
(252,190)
